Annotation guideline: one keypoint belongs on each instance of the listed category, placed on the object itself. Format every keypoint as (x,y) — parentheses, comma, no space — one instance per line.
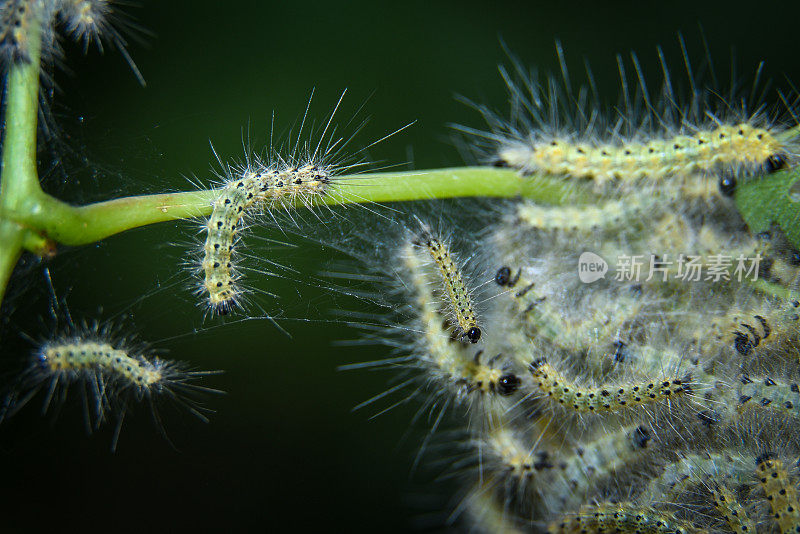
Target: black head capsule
(774,163)
(503,276)
(508,384)
(474,334)
(727,184)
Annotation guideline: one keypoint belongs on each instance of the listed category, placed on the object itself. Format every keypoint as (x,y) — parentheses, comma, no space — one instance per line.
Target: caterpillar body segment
(735,514)
(781,493)
(764,393)
(16,20)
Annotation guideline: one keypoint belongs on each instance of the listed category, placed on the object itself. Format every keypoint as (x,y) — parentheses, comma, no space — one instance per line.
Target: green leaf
(774,199)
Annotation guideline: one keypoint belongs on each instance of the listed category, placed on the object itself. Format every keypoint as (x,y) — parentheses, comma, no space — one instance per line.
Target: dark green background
(284,452)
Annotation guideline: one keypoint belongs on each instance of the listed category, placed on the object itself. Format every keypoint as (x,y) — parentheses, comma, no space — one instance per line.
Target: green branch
(20,181)
(79,225)
(11,241)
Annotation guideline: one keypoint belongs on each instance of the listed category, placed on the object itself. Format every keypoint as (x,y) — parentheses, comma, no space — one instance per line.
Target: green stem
(20,181)
(11,240)
(71,225)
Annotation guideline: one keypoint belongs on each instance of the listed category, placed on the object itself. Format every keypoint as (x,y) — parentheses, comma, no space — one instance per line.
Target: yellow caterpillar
(725,146)
(605,398)
(257,186)
(729,507)
(581,219)
(111,375)
(621,518)
(458,295)
(76,356)
(466,371)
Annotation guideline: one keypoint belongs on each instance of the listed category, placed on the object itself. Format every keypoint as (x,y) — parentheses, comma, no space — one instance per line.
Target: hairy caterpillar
(599,456)
(677,477)
(285,177)
(609,397)
(101,21)
(579,219)
(551,132)
(749,330)
(86,19)
(111,373)
(549,322)
(728,506)
(459,296)
(459,367)
(780,491)
(618,517)
(257,183)
(777,324)
(564,476)
(725,146)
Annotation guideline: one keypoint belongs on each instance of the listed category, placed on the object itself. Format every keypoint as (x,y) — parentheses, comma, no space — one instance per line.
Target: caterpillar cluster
(616,404)
(639,404)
